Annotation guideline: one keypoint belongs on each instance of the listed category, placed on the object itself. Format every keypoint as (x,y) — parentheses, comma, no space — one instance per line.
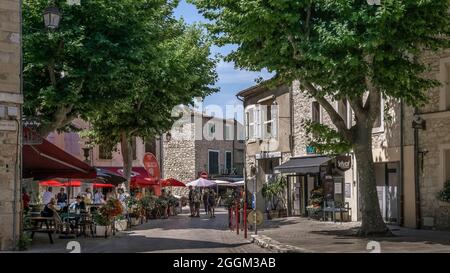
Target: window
(150,146)
(270,118)
(342,109)
(211,130)
(228,161)
(251,118)
(378,125)
(213,162)
(229,132)
(446,97)
(447,165)
(72,143)
(104,152)
(315,117)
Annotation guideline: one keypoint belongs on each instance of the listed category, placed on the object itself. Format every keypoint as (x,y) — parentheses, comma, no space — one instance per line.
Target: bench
(37,223)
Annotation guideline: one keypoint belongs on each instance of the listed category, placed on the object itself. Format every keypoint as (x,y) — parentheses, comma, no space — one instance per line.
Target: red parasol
(51,183)
(100,185)
(73,184)
(171,182)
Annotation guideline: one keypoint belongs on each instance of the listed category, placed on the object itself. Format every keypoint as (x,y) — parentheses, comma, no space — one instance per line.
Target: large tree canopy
(121,65)
(83,63)
(339,49)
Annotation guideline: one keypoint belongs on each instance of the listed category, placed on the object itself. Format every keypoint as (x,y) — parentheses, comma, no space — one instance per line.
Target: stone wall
(9,97)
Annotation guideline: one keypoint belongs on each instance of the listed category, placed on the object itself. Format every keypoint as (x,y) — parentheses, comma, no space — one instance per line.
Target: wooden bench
(37,223)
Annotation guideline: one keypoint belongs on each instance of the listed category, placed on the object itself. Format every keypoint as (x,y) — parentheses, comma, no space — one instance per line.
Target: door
(387,179)
(295,190)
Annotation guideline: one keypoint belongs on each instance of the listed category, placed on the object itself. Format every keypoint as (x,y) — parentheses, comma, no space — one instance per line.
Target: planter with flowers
(315,203)
(106,216)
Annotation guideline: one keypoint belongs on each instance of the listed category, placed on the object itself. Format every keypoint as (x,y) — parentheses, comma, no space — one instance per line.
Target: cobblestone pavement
(176,234)
(316,236)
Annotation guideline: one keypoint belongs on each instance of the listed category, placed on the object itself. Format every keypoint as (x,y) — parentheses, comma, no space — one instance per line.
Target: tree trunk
(372,221)
(127,157)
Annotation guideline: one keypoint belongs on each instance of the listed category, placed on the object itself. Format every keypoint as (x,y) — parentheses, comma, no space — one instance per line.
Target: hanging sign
(344,163)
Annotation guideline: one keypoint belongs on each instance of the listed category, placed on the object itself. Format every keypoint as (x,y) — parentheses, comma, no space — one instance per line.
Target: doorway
(297,195)
(387,179)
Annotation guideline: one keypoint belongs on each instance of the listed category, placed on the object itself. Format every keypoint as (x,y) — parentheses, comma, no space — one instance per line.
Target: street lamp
(52,16)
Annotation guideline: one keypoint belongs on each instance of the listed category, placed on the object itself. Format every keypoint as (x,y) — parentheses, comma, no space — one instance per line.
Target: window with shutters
(251,123)
(270,120)
(104,152)
(315,110)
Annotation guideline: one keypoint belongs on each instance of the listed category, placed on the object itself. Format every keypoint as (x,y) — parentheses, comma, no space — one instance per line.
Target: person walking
(197,200)
(205,200)
(191,201)
(212,203)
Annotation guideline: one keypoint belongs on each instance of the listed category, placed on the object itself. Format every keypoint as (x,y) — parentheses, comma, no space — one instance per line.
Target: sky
(230,81)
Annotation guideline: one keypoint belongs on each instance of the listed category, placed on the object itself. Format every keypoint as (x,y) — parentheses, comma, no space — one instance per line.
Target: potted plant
(444,194)
(102,224)
(274,192)
(120,223)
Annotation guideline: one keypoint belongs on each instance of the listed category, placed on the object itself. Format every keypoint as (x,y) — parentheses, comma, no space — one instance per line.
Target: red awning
(139,176)
(47,161)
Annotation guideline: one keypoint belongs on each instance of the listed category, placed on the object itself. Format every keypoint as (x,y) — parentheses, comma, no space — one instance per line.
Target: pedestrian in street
(212,203)
(47,196)
(197,200)
(191,201)
(205,200)
(98,197)
(88,196)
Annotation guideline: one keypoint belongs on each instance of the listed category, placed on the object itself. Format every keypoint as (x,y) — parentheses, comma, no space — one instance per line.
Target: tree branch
(335,117)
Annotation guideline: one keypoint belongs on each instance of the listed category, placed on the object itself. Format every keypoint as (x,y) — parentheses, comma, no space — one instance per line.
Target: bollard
(237,218)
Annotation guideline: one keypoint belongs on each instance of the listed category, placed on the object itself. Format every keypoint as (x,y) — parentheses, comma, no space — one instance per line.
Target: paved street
(317,236)
(176,234)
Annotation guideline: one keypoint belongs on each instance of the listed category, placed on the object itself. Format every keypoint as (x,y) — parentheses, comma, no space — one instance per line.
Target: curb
(269,243)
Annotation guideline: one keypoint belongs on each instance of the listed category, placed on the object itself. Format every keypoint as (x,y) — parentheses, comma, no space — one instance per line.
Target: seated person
(49,209)
(78,205)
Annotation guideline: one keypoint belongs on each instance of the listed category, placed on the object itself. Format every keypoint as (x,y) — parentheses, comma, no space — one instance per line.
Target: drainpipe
(402,165)
(161,164)
(417,173)
(244,174)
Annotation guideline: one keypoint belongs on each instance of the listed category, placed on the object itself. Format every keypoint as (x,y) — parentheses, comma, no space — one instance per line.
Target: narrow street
(179,234)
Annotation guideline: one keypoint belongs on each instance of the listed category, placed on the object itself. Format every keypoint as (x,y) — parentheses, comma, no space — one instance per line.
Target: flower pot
(101,231)
(121,225)
(135,221)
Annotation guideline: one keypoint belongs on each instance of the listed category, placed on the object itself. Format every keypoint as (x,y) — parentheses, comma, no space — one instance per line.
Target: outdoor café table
(69,218)
(35,221)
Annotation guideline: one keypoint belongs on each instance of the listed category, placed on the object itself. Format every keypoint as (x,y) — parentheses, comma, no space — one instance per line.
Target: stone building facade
(200,143)
(10,113)
(393,147)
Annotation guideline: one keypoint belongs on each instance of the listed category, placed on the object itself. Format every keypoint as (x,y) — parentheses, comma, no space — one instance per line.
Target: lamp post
(52,17)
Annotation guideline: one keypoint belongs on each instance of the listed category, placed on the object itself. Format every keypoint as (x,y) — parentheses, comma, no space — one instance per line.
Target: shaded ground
(320,236)
(176,234)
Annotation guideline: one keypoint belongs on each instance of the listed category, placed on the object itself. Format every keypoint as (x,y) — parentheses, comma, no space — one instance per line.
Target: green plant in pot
(101,220)
(444,195)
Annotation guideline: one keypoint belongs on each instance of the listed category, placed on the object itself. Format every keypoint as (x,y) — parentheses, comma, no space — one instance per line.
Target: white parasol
(201,182)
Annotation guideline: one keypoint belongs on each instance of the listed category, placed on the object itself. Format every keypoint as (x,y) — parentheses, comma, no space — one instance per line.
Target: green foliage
(24,242)
(327,43)
(119,64)
(444,195)
(101,220)
(325,139)
(275,191)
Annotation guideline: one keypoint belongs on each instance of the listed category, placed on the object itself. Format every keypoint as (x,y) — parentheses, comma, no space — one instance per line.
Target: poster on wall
(348,190)
(337,188)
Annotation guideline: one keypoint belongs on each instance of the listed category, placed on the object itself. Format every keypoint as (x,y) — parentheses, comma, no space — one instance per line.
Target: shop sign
(8,125)
(151,166)
(344,163)
(265,155)
(310,150)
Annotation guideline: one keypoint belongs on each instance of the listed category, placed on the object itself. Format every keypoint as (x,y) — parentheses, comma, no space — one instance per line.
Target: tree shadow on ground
(132,243)
(400,236)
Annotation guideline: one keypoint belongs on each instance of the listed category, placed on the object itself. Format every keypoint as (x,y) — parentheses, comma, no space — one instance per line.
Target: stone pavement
(295,234)
(179,234)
